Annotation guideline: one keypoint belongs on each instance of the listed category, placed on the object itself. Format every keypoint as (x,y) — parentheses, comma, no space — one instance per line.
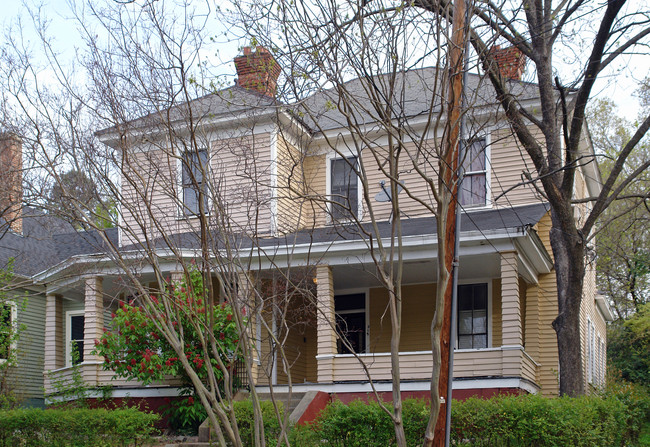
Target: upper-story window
(474,188)
(344,190)
(195,163)
(473,316)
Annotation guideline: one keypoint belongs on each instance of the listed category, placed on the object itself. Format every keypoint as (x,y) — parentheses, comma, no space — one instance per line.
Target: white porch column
(325,321)
(93,327)
(247,296)
(54,356)
(511,326)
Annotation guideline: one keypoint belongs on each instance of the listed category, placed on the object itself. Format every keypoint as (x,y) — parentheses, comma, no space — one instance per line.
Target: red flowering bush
(136,349)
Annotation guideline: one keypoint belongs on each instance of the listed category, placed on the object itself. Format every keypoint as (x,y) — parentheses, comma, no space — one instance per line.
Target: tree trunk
(568,250)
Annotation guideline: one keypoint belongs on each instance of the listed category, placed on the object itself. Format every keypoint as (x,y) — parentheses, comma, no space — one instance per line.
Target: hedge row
(76,427)
(614,419)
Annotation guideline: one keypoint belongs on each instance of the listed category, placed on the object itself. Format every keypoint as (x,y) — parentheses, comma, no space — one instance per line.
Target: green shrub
(246,422)
(612,419)
(75,427)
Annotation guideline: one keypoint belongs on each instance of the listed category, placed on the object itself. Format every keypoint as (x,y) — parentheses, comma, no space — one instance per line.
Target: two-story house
(270,188)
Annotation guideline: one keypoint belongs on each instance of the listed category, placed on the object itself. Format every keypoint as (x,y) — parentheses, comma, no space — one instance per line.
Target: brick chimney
(258,71)
(511,61)
(11,178)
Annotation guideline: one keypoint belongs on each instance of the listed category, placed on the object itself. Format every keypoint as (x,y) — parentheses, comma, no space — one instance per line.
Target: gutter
(339,252)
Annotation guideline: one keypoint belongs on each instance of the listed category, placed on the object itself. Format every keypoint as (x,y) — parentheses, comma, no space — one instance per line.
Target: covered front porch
(347,343)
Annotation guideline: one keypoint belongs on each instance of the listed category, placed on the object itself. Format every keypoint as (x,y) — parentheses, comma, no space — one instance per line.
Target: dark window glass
(472,316)
(77,338)
(6,330)
(194,164)
(473,191)
(351,322)
(344,192)
(353,301)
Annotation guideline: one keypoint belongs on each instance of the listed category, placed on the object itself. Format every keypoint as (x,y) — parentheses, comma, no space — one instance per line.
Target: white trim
(274,182)
(421,385)
(68,334)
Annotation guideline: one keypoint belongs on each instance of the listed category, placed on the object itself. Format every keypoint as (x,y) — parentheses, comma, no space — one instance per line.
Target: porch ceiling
(354,276)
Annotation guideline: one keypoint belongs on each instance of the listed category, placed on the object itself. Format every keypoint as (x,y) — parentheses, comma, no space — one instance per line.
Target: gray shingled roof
(483,221)
(228,102)
(412,97)
(414,94)
(46,241)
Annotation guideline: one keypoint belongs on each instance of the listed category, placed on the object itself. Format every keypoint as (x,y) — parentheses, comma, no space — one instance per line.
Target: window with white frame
(591,360)
(74,337)
(473,316)
(344,189)
(351,322)
(474,186)
(7,329)
(603,361)
(194,165)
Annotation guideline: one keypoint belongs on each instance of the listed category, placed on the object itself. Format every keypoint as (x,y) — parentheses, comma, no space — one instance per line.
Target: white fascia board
(414,248)
(342,252)
(152,132)
(533,254)
(604,308)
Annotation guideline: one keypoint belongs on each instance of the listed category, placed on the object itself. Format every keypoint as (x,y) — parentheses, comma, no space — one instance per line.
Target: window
(473,191)
(351,322)
(75,338)
(194,164)
(472,316)
(344,189)
(7,329)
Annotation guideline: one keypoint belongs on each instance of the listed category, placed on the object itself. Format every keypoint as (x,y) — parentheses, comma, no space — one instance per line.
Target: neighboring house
(281,189)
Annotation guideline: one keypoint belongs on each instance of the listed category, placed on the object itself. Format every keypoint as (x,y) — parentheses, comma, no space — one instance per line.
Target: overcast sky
(619,86)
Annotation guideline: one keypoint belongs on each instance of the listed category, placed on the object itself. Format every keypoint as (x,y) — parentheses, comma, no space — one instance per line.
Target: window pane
(480,296)
(350,302)
(77,327)
(477,156)
(191,200)
(193,167)
(478,188)
(77,347)
(343,188)
(465,322)
(5,330)
(352,327)
(465,342)
(464,297)
(479,342)
(480,322)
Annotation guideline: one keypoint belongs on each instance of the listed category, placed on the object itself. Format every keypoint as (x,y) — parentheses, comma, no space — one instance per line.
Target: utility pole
(457,49)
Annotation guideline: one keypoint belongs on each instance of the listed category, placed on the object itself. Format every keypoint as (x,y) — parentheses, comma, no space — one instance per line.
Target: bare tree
(356,73)
(542,32)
